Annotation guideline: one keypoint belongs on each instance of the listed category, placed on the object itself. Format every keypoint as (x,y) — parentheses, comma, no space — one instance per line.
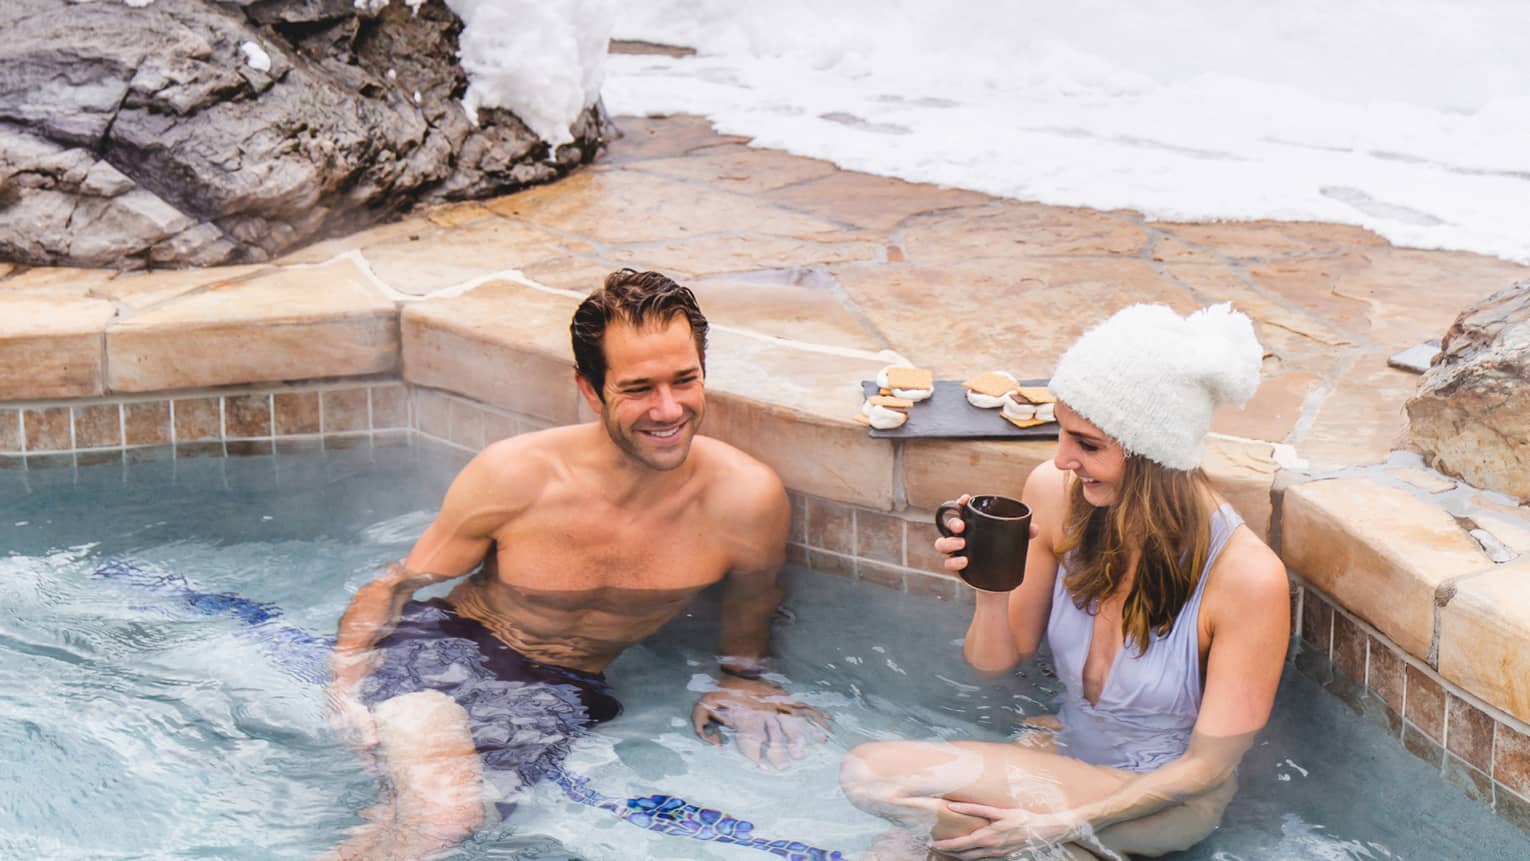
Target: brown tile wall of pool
(241,420)
(1477,748)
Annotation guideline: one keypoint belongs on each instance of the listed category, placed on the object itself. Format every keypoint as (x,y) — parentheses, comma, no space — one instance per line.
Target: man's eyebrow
(693,370)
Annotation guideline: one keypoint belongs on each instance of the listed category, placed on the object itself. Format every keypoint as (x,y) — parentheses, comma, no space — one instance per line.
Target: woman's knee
(893,779)
(866,776)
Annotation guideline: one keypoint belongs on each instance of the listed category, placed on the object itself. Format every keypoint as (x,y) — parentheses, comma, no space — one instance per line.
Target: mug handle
(952,506)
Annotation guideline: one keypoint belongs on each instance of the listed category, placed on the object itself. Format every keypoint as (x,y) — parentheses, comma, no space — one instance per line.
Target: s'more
(987,391)
(914,384)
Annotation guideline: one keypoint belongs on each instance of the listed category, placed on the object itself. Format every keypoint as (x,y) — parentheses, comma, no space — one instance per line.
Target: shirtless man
(590,538)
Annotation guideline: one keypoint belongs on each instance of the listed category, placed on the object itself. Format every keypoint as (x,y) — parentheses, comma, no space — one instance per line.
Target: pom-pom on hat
(1150,378)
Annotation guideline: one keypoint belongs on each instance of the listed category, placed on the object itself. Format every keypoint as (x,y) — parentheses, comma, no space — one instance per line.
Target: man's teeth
(664,434)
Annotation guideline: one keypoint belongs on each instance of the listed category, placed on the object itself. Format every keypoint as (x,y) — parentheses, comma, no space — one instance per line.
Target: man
(590,538)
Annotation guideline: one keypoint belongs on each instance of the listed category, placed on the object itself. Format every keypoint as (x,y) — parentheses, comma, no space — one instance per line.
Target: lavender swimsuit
(1150,700)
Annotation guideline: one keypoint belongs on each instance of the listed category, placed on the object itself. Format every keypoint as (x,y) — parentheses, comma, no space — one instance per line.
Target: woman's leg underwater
(909,783)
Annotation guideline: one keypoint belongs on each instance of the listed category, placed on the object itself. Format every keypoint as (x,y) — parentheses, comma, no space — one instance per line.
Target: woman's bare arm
(1007,628)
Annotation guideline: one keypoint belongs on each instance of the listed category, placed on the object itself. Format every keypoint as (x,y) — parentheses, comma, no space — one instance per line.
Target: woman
(1166,618)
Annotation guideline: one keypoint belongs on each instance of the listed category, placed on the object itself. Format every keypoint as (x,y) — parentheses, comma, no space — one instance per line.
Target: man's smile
(665,432)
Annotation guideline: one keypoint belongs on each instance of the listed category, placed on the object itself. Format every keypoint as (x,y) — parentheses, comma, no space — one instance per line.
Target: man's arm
(766,724)
(751,594)
(454,544)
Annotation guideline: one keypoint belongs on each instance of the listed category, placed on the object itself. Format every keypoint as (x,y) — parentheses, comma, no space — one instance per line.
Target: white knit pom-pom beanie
(1150,378)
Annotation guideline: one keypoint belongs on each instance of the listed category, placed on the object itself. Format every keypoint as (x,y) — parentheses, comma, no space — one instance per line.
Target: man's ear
(587,391)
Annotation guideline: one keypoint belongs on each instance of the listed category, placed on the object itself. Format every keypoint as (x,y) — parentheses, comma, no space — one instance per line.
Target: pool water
(132,726)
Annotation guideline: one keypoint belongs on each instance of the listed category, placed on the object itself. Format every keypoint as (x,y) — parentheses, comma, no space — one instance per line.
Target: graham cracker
(910,378)
(1024,423)
(863,418)
(1036,394)
(993,384)
(890,402)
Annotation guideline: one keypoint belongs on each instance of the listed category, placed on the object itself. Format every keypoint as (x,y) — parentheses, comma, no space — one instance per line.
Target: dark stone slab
(947,415)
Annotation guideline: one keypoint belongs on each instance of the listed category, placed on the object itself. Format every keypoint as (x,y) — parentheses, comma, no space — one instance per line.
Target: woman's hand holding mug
(985,539)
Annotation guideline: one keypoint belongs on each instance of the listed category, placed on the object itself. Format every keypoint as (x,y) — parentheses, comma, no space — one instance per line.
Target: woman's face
(1097,460)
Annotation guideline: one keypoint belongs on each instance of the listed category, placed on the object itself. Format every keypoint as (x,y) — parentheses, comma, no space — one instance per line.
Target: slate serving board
(947,415)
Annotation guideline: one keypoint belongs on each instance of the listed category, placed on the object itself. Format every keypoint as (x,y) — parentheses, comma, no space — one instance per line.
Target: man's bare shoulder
(519,467)
(736,479)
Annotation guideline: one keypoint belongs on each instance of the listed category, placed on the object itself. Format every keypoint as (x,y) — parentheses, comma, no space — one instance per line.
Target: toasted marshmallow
(883,418)
(913,394)
(1046,412)
(986,402)
(1017,409)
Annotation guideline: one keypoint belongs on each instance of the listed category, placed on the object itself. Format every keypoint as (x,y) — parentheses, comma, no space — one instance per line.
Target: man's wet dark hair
(637,299)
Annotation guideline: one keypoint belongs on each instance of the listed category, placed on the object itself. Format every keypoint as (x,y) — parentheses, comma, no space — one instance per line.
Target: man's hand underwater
(350,718)
(767,726)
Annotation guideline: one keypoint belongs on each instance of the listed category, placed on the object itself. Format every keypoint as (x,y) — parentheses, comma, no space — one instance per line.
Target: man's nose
(666,409)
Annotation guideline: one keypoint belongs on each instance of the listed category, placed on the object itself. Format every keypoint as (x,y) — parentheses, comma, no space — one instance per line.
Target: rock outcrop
(1471,416)
(187,132)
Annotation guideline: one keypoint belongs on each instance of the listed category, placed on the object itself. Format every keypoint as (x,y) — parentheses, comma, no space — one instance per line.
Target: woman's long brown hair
(1161,519)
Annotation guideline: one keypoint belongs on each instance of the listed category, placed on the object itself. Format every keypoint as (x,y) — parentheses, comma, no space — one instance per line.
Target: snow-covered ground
(1410,117)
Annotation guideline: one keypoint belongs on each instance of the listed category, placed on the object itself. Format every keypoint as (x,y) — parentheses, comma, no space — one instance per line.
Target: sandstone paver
(1264,239)
(50,346)
(873,202)
(1173,249)
(1360,418)
(473,250)
(139,291)
(1010,230)
(413,228)
(967,317)
(712,255)
(56,281)
(644,138)
(1483,632)
(736,167)
(579,273)
(296,323)
(801,305)
(457,214)
(501,343)
(616,207)
(1379,551)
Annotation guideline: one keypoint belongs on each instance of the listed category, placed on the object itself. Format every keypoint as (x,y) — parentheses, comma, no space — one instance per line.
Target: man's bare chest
(606,553)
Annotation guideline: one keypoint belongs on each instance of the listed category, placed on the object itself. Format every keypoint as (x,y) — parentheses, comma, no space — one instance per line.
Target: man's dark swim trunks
(523,713)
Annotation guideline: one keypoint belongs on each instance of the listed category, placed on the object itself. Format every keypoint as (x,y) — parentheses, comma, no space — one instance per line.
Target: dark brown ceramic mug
(998,532)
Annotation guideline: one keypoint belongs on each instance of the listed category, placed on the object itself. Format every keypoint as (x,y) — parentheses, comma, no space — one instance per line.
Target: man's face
(654,395)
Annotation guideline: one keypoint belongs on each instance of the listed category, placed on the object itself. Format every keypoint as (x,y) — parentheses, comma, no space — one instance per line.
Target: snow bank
(544,60)
(1410,117)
